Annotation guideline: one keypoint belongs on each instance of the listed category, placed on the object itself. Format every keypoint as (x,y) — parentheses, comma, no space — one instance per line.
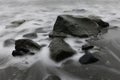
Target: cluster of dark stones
(88,58)
(60,50)
(25,47)
(76,26)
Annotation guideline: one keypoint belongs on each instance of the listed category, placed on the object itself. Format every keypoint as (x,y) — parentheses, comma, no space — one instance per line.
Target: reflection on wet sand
(110,48)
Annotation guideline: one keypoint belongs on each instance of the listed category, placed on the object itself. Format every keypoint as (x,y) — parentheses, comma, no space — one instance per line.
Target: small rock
(9,42)
(18,22)
(31,53)
(30,35)
(16,53)
(15,24)
(53,77)
(87,47)
(88,59)
(79,10)
(40,30)
(27,44)
(77,41)
(101,23)
(60,50)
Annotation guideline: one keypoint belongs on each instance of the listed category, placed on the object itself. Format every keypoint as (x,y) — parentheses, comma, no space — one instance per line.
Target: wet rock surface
(57,34)
(76,26)
(87,47)
(60,50)
(30,35)
(99,21)
(88,58)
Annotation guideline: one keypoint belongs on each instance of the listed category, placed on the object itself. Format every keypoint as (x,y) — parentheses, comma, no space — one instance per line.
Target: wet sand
(110,48)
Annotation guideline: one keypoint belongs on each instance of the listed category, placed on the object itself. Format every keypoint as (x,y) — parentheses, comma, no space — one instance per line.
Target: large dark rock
(53,77)
(60,50)
(30,35)
(76,26)
(18,22)
(88,58)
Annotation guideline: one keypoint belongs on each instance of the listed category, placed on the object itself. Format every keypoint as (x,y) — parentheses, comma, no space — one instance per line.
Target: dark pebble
(87,47)
(88,59)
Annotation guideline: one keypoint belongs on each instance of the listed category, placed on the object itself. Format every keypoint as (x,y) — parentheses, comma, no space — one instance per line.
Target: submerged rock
(57,34)
(40,30)
(15,24)
(60,50)
(9,42)
(76,26)
(53,77)
(30,35)
(87,47)
(88,58)
(18,22)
